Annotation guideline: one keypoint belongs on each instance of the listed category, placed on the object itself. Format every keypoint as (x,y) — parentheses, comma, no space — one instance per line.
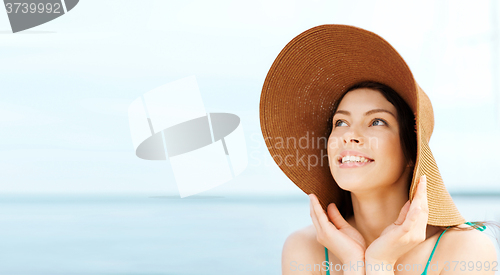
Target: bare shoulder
(468,241)
(302,254)
(472,247)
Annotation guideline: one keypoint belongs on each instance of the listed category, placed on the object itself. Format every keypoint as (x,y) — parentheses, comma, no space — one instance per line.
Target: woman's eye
(339,122)
(374,123)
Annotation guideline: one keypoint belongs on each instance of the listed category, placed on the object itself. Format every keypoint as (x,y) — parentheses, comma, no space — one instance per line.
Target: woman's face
(365,124)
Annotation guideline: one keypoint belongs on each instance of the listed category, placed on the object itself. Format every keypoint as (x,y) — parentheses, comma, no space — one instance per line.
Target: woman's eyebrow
(367,113)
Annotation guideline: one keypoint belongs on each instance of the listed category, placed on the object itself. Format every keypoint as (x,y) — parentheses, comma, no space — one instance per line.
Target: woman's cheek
(390,152)
(333,144)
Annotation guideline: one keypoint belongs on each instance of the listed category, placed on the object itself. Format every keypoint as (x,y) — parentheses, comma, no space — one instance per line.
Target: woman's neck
(377,208)
(374,210)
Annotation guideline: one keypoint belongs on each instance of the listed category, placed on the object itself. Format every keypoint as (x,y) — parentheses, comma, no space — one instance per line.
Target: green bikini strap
(327,262)
(480,228)
(434,249)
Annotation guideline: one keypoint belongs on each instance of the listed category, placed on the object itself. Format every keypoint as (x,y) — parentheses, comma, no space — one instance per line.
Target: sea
(158,234)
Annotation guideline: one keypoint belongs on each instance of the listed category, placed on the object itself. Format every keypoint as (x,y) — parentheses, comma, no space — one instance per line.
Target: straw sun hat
(299,92)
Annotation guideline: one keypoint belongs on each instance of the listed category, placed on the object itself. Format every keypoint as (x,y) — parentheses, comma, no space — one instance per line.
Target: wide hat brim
(311,72)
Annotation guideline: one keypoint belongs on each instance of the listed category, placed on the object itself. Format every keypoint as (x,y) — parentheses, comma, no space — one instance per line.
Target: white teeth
(354,159)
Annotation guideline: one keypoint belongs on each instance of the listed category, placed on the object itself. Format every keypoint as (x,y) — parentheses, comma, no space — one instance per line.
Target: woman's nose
(355,140)
(353,137)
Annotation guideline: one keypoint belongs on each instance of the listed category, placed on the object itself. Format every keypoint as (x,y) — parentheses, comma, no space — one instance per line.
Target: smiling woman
(380,206)
(392,125)
(352,131)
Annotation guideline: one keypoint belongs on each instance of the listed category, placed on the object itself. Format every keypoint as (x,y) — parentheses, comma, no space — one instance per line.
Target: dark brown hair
(408,140)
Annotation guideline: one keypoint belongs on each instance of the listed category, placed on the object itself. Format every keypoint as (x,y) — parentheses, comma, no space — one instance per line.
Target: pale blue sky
(66,85)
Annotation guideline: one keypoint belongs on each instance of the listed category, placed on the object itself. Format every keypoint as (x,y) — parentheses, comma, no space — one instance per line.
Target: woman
(393,208)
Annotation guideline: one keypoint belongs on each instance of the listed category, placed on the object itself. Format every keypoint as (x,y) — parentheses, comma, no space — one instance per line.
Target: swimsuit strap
(432,253)
(480,228)
(327,262)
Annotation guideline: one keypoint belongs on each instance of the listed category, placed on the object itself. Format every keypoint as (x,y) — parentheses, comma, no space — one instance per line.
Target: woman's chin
(356,176)
(350,183)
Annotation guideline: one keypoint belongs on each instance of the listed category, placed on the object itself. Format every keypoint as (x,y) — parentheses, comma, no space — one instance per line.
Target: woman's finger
(418,190)
(415,208)
(421,193)
(417,214)
(336,217)
(424,214)
(320,213)
(411,218)
(420,198)
(313,214)
(403,213)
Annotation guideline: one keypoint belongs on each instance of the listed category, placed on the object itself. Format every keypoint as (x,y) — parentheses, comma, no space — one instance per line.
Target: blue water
(146,234)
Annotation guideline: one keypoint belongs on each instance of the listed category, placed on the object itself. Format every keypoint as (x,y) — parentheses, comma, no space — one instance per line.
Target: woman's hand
(343,240)
(407,232)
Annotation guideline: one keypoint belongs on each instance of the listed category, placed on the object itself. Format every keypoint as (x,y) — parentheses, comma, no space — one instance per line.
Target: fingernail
(424,178)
